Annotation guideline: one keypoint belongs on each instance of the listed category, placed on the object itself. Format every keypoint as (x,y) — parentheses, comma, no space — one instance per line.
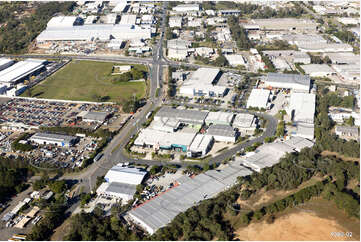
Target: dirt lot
(315,220)
(296,226)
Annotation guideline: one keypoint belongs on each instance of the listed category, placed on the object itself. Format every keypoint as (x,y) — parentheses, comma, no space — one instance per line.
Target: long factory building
(68,29)
(14,73)
(188,192)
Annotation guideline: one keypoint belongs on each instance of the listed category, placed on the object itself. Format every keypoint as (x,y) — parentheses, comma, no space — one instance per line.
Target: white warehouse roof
(267,155)
(20,70)
(200,143)
(95,31)
(219,118)
(243,120)
(125,175)
(302,106)
(128,19)
(186,7)
(235,60)
(119,7)
(164,139)
(204,75)
(62,21)
(318,70)
(258,98)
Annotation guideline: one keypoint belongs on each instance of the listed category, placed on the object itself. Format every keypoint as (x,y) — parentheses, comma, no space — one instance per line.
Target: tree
(221,61)
(350,121)
(85,198)
(280,132)
(168,34)
(58,186)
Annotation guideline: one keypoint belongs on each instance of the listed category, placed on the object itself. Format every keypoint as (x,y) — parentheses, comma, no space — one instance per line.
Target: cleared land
(88,81)
(314,220)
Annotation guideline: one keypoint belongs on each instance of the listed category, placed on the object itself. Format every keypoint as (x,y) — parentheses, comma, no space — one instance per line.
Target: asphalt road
(113,153)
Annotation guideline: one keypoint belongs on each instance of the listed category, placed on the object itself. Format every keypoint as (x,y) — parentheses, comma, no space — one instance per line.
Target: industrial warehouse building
(127,175)
(194,117)
(318,70)
(222,133)
(203,83)
(64,21)
(288,81)
(306,46)
(166,124)
(224,118)
(258,98)
(343,58)
(302,111)
(200,146)
(161,210)
(71,31)
(187,8)
(285,24)
(90,116)
(54,139)
(21,70)
(268,155)
(347,132)
(121,182)
(245,123)
(5,63)
(164,140)
(291,55)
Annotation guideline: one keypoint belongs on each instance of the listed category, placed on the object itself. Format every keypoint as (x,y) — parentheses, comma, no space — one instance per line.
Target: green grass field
(88,81)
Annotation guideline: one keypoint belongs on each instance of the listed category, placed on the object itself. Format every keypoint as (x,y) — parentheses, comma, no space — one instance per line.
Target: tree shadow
(38,94)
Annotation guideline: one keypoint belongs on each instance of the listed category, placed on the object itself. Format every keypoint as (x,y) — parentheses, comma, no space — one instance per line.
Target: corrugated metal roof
(161,210)
(289,78)
(182,114)
(20,70)
(221,130)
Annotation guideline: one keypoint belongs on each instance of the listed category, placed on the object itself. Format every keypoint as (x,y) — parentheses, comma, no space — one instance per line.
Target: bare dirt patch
(342,157)
(296,226)
(62,230)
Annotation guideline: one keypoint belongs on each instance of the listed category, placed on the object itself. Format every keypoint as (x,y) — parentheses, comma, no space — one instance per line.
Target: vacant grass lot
(88,81)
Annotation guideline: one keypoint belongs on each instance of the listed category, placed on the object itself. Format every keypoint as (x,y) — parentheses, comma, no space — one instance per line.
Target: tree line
(239,34)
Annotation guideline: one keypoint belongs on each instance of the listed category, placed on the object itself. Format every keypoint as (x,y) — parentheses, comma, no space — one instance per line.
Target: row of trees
(299,197)
(172,85)
(268,12)
(239,34)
